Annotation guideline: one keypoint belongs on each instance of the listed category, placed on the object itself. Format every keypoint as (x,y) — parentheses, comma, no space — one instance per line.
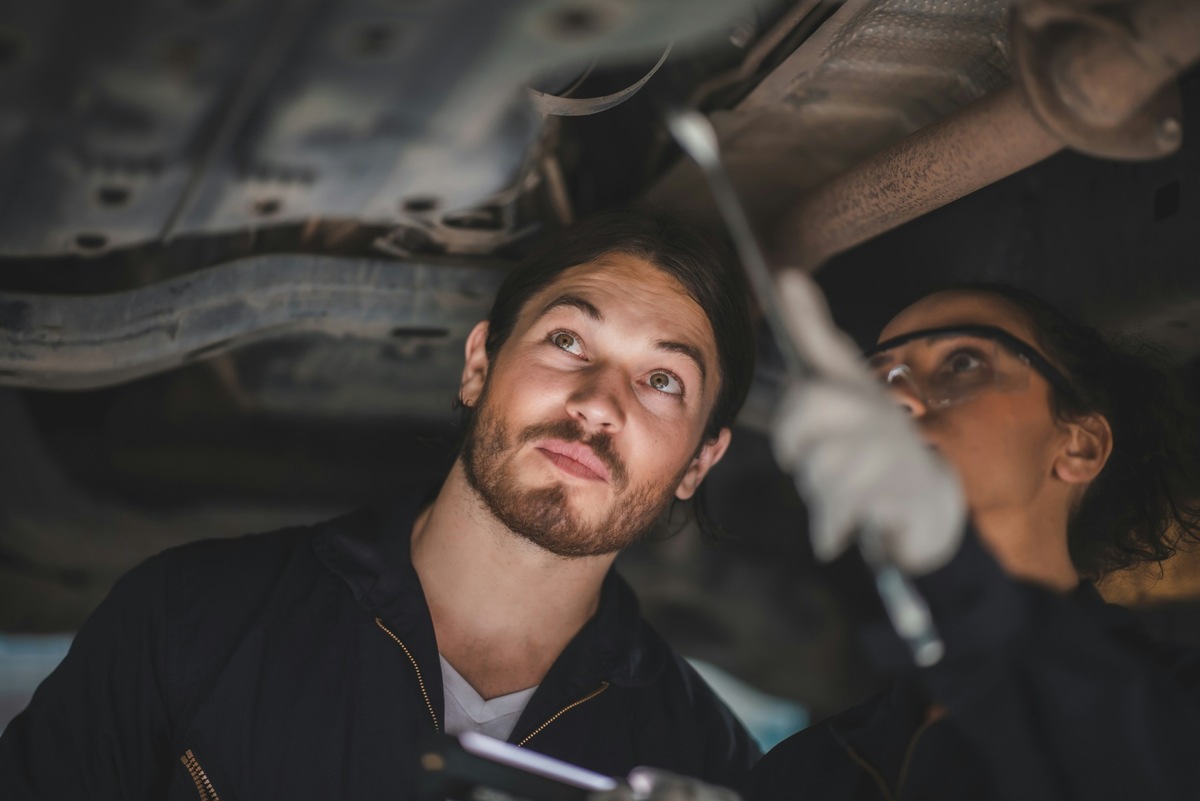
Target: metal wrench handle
(696,137)
(905,607)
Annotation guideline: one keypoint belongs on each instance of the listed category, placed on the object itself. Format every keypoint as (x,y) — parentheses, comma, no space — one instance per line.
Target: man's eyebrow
(573,302)
(684,349)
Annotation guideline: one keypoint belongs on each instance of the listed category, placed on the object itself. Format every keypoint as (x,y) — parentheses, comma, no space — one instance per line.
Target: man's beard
(543,515)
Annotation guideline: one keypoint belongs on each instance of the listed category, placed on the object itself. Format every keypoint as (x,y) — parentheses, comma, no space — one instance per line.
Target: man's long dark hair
(1142,506)
(702,264)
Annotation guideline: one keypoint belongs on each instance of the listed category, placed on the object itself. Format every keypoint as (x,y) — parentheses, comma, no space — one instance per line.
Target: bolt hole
(267,206)
(374,41)
(91,241)
(1166,201)
(112,195)
(574,22)
(420,204)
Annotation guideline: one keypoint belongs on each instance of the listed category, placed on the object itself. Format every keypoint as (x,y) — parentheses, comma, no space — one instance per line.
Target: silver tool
(905,607)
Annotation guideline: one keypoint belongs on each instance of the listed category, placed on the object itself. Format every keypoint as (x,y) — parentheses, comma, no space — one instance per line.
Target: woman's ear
(1085,451)
(475,369)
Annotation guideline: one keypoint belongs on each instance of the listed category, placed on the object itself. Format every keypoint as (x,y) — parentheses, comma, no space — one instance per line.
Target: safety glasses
(947,366)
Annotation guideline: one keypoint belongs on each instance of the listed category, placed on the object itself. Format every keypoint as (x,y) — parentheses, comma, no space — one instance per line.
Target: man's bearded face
(591,417)
(544,515)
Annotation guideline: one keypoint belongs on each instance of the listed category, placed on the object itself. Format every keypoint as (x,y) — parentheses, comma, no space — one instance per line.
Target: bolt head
(1169,133)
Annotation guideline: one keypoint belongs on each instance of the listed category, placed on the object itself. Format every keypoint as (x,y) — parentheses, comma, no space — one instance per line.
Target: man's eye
(665,382)
(567,341)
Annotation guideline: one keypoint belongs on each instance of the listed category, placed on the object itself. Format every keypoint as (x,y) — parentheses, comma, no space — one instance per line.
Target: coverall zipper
(420,680)
(429,705)
(203,786)
(888,793)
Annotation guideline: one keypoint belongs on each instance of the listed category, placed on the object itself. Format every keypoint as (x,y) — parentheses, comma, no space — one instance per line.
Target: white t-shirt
(466,710)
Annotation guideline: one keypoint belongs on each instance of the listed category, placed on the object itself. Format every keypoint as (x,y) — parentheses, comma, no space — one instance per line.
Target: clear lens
(944,370)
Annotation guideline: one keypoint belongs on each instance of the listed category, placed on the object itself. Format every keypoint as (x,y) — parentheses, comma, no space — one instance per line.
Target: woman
(1072,461)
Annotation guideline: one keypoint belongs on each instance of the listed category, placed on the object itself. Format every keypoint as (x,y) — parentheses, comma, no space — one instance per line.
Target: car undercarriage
(243,242)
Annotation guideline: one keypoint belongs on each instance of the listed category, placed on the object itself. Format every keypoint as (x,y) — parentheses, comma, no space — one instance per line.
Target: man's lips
(574,458)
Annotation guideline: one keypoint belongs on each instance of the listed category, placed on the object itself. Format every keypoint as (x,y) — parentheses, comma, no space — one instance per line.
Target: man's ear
(1085,450)
(710,453)
(476,366)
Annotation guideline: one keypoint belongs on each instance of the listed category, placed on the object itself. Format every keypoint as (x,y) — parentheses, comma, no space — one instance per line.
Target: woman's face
(1001,436)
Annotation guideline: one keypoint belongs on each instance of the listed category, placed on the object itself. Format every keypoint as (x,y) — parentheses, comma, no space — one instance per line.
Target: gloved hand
(652,784)
(857,459)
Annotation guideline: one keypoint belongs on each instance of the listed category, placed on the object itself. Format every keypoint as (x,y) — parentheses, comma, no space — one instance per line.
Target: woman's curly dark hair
(1142,506)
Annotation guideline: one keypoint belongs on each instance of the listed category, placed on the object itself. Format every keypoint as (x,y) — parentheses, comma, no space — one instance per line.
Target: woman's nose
(905,389)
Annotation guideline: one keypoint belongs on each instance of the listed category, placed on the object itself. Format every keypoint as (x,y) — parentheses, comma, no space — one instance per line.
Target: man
(312,662)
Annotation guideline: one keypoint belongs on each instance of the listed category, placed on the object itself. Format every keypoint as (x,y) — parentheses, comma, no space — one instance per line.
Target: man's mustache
(571,431)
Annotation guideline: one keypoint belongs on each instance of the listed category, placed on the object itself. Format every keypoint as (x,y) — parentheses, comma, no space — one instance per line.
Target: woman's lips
(574,459)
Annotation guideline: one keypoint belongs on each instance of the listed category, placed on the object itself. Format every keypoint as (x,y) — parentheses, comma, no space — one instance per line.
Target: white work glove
(652,784)
(856,457)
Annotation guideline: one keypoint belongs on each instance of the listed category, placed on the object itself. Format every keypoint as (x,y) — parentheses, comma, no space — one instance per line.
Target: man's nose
(599,401)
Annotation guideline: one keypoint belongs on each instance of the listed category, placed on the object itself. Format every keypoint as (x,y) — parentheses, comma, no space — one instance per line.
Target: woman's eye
(567,341)
(665,382)
(964,361)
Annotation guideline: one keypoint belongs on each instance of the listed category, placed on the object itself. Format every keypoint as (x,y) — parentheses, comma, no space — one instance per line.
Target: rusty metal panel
(871,73)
